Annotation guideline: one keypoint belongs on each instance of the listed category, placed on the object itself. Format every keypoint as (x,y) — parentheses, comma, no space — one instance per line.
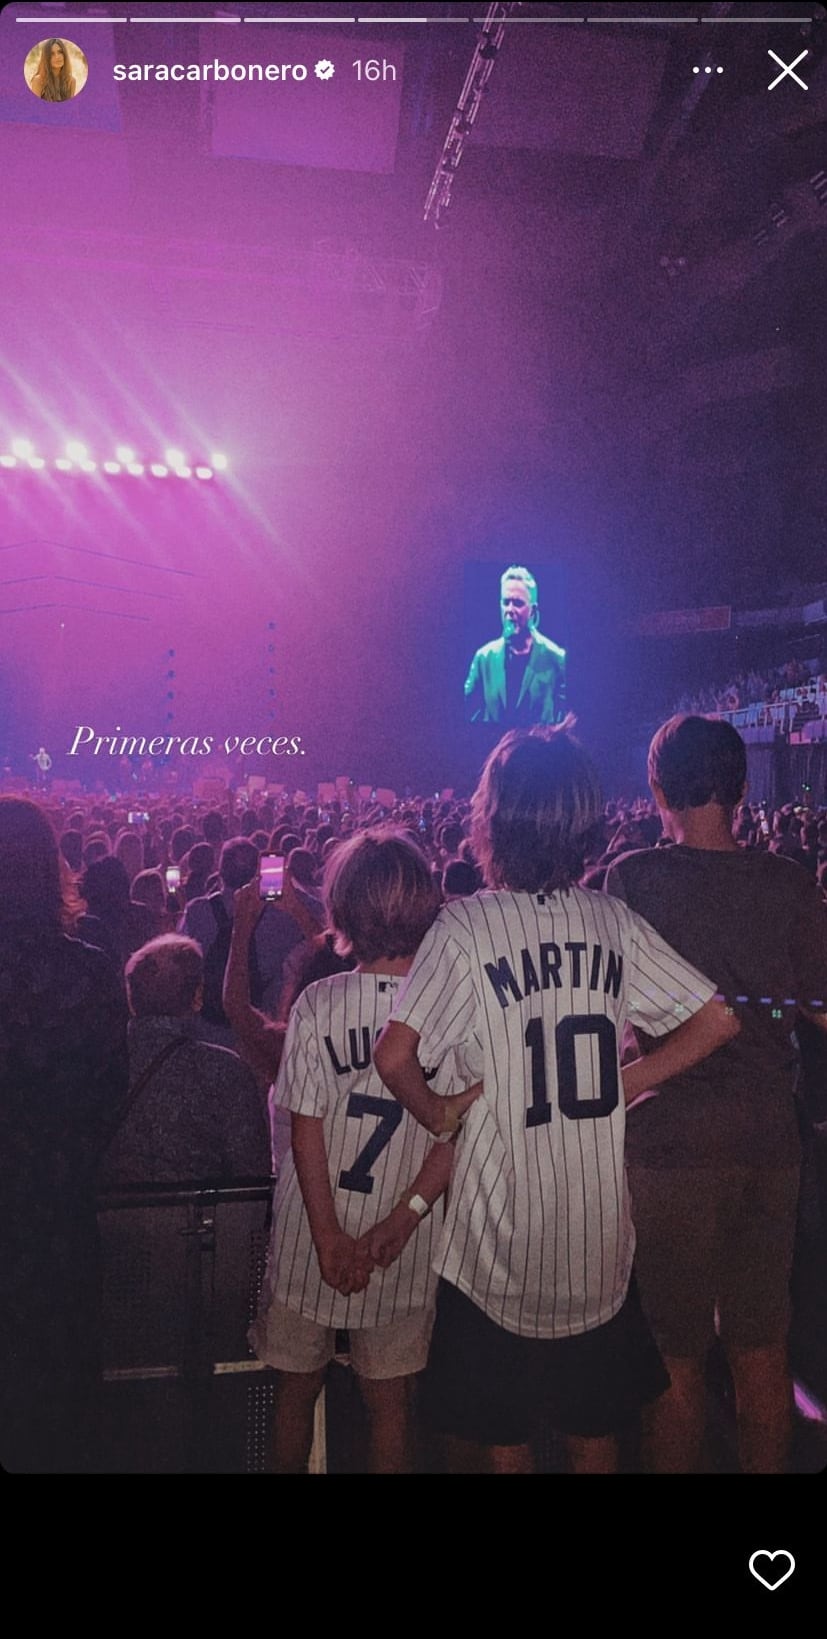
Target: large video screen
(517,676)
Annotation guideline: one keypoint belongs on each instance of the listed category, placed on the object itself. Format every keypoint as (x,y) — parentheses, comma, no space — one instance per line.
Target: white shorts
(289,1342)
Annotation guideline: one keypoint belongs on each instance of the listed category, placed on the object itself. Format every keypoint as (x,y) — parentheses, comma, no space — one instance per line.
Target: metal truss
(479,73)
(390,295)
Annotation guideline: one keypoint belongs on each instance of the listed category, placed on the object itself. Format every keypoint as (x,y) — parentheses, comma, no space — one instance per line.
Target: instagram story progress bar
(590,18)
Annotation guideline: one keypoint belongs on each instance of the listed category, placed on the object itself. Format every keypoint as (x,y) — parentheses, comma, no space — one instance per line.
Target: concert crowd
(162,1019)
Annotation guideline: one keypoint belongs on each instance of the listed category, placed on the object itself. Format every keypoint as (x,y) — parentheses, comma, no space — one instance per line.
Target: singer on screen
(519,678)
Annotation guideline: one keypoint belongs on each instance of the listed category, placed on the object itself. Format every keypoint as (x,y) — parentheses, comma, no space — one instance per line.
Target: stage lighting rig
(486,51)
(77,459)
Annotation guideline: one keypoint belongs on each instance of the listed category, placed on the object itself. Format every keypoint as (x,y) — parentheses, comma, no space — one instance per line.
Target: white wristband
(418,1204)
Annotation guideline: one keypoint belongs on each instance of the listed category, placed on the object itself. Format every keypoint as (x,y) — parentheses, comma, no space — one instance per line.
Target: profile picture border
(34,66)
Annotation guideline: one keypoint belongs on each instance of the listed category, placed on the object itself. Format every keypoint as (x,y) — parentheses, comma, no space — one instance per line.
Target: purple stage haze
(342,124)
(203,270)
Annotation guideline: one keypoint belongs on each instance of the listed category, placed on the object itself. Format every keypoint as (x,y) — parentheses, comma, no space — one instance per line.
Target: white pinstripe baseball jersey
(374,1150)
(536,989)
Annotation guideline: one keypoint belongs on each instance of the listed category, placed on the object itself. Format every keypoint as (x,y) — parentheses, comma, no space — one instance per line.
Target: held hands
(388,1238)
(345,1264)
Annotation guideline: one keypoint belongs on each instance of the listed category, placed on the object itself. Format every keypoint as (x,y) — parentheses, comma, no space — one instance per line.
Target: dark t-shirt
(755,923)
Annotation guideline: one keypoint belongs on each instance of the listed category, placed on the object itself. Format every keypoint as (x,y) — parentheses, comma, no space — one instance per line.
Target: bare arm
(395,1059)
(289,982)
(387,1238)
(261,1040)
(295,906)
(709,1028)
(343,1263)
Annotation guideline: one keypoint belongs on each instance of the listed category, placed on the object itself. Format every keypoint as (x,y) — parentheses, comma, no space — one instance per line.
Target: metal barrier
(182,1269)
(183,1392)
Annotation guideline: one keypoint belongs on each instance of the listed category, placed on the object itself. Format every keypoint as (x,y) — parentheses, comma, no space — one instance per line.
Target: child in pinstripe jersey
(353,1236)
(537,1315)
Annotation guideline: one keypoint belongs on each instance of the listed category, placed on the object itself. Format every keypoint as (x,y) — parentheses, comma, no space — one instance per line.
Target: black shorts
(496,1388)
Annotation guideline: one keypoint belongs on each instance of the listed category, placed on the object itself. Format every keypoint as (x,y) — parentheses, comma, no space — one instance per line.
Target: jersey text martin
(588,968)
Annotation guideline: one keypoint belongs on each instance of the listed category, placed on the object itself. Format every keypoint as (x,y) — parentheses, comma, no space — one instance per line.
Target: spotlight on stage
(75,457)
(219,461)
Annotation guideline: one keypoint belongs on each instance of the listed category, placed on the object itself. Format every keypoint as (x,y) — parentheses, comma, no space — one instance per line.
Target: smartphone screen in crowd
(271,876)
(173,878)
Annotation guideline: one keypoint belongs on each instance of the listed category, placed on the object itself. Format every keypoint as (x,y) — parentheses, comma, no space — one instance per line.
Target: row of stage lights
(77,457)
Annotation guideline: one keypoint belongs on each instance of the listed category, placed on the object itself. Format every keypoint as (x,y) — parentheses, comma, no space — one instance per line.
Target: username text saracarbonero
(216,70)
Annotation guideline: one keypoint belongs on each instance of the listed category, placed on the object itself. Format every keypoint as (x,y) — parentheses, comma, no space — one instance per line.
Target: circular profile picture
(55,70)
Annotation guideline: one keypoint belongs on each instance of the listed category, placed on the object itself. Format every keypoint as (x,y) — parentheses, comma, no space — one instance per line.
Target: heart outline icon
(771,1553)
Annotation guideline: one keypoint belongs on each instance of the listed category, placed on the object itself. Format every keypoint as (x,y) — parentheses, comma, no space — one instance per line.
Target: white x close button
(787,69)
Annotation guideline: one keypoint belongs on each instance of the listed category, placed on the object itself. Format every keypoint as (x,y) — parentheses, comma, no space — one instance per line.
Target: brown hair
(36,884)
(163,977)
(380,894)
(148,889)
(534,811)
(238,862)
(696,760)
(62,88)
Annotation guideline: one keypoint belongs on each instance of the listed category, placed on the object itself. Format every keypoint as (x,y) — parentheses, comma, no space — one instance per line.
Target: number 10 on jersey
(569,1098)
